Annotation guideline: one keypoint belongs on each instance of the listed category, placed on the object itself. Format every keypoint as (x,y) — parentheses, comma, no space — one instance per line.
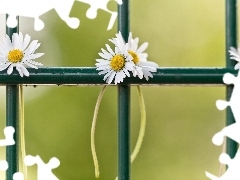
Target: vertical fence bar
(12,97)
(124,104)
(231,41)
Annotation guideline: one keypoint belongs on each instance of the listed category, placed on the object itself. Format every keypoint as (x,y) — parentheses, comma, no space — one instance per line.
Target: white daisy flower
(142,67)
(235,54)
(17,54)
(115,64)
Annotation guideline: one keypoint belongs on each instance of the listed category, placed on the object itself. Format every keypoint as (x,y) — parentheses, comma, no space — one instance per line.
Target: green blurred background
(181,120)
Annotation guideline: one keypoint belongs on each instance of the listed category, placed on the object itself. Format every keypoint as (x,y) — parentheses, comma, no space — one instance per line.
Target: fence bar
(231,41)
(124,104)
(90,76)
(12,96)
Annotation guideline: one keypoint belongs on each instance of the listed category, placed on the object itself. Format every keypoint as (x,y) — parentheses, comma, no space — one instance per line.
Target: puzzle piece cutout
(8,132)
(235,97)
(36,8)
(100,4)
(3,165)
(232,130)
(18,176)
(44,170)
(232,173)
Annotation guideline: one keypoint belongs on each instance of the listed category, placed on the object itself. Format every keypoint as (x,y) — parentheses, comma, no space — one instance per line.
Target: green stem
(94,122)
(22,134)
(221,169)
(142,125)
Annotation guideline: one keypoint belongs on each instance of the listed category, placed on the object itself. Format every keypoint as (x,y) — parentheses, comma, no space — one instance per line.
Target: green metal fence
(79,75)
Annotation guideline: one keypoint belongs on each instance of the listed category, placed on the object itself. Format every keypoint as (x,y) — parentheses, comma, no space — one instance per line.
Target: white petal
(129,66)
(147,74)
(19,71)
(4,66)
(120,38)
(234,50)
(34,63)
(20,36)
(119,77)
(104,56)
(142,48)
(107,74)
(35,56)
(134,44)
(37,46)
(10,69)
(143,56)
(139,72)
(110,50)
(237,66)
(102,61)
(106,53)
(148,63)
(3,49)
(126,72)
(31,47)
(117,51)
(26,41)
(149,68)
(106,67)
(129,58)
(15,41)
(24,70)
(31,65)
(104,72)
(235,58)
(7,42)
(130,39)
(111,77)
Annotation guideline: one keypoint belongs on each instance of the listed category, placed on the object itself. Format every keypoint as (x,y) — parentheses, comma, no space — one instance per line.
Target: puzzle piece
(3,165)
(8,132)
(235,97)
(18,176)
(44,170)
(232,173)
(232,130)
(100,4)
(36,8)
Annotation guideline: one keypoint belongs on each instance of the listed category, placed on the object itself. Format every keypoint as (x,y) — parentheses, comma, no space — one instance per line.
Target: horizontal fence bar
(63,75)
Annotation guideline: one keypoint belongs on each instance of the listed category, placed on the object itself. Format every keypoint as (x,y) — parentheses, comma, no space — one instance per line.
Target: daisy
(17,54)
(115,64)
(142,67)
(235,54)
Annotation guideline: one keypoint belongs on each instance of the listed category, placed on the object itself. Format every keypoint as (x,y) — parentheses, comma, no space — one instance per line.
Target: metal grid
(79,75)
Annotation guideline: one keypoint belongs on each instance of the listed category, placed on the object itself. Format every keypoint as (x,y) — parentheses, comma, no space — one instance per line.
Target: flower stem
(94,122)
(142,125)
(221,168)
(22,134)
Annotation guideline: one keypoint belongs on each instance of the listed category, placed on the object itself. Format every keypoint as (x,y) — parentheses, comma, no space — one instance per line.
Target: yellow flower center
(117,62)
(135,56)
(15,55)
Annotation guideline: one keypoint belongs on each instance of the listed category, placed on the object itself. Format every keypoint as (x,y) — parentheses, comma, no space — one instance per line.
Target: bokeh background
(181,120)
